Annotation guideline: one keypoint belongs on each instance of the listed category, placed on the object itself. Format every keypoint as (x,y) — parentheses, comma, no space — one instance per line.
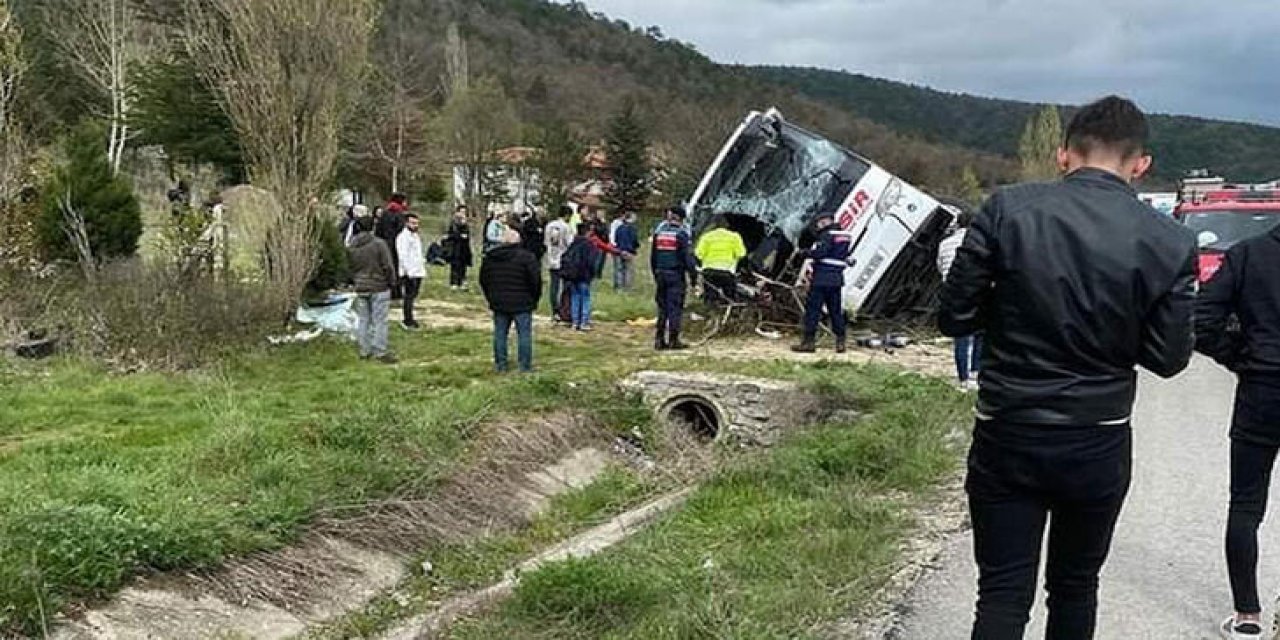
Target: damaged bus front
(773,178)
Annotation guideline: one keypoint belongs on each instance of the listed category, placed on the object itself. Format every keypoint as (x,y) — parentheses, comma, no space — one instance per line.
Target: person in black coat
(1246,291)
(1076,282)
(511,278)
(456,247)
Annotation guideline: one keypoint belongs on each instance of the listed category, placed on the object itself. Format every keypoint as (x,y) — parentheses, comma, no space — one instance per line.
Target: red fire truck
(1224,217)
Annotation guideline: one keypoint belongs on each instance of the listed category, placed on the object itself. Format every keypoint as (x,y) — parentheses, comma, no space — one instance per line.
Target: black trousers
(1251,466)
(457,274)
(670,299)
(1023,478)
(412,287)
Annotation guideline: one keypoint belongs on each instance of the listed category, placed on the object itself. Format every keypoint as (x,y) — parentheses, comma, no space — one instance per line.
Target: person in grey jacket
(374,273)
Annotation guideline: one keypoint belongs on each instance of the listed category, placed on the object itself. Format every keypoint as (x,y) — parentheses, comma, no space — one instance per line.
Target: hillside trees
(89,213)
(286,73)
(559,163)
(476,121)
(1038,147)
(627,147)
(177,110)
(105,42)
(12,67)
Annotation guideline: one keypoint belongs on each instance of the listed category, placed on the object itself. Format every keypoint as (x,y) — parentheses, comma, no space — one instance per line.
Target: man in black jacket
(1075,283)
(511,279)
(1247,289)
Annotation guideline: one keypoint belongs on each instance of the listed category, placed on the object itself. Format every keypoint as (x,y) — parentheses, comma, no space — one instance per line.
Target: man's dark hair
(584,228)
(461,207)
(678,211)
(566,211)
(399,198)
(1113,124)
(364,225)
(410,214)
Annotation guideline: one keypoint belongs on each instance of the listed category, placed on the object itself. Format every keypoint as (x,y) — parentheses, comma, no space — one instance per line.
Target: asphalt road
(1166,578)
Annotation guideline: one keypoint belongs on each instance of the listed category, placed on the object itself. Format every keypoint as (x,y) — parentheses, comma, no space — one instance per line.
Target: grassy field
(775,545)
(104,476)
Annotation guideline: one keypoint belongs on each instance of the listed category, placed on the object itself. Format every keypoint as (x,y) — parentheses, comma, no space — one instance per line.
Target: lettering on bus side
(854,210)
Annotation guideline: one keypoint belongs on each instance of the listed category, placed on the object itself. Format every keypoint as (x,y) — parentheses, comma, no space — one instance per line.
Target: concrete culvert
(697,414)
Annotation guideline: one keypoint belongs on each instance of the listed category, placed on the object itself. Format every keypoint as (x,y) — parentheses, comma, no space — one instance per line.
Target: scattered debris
(37,345)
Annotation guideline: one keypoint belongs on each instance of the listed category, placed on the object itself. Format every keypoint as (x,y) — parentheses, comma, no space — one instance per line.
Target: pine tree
(85,181)
(559,164)
(970,188)
(1040,142)
(627,146)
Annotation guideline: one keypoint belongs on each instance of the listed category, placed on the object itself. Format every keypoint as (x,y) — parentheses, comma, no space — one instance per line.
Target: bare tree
(12,67)
(286,72)
(457,65)
(475,123)
(104,41)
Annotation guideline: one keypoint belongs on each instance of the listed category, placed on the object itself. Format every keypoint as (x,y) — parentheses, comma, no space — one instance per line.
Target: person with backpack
(557,238)
(456,247)
(512,283)
(577,270)
(1076,283)
(495,227)
(1246,292)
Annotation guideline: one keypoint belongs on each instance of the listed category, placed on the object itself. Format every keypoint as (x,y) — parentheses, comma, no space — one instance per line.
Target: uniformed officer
(829,258)
(673,266)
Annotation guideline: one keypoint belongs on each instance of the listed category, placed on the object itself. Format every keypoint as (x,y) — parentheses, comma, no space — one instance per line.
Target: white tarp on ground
(336,315)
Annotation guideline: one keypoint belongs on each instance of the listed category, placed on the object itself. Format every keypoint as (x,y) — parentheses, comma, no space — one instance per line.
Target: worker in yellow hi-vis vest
(720,252)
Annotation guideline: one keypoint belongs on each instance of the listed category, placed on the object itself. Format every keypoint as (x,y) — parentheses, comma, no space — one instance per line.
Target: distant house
(513,184)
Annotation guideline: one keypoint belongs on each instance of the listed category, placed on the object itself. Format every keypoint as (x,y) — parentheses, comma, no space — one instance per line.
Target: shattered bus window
(772,179)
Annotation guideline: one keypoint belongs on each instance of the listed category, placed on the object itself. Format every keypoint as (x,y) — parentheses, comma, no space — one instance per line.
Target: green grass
(774,545)
(103,476)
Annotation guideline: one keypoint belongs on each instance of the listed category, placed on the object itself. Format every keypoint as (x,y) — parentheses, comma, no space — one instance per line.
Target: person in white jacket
(558,236)
(968,349)
(413,267)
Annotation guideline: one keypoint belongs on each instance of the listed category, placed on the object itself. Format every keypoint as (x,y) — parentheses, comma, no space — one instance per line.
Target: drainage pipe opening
(696,414)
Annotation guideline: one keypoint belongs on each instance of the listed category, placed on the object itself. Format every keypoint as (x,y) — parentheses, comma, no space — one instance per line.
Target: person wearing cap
(828,259)
(511,279)
(673,265)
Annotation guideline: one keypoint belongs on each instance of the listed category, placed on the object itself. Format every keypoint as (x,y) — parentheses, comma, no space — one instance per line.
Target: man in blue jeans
(511,279)
(374,272)
(1075,283)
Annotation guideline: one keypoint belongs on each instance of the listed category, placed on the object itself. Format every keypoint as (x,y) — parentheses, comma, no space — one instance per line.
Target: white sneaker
(1231,630)
(972,385)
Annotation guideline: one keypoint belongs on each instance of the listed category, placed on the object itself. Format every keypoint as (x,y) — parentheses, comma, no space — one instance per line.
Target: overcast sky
(1203,57)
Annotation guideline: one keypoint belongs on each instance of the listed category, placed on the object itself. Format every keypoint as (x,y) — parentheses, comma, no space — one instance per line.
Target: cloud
(1173,56)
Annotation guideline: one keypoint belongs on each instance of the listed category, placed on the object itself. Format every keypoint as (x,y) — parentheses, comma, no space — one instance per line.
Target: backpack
(575,265)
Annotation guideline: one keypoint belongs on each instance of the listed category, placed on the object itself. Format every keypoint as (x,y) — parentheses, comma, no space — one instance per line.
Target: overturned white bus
(773,178)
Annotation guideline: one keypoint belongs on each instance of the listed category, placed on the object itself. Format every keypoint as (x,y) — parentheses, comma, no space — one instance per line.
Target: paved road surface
(1166,579)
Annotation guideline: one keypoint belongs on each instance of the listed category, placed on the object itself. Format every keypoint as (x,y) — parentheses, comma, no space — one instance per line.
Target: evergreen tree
(177,110)
(559,164)
(112,216)
(1039,145)
(970,188)
(627,146)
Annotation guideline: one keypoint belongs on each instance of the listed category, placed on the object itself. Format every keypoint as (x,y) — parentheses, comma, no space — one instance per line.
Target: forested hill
(560,62)
(1242,152)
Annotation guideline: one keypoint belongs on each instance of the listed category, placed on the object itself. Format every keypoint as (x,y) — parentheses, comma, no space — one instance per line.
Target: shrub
(333,268)
(112,215)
